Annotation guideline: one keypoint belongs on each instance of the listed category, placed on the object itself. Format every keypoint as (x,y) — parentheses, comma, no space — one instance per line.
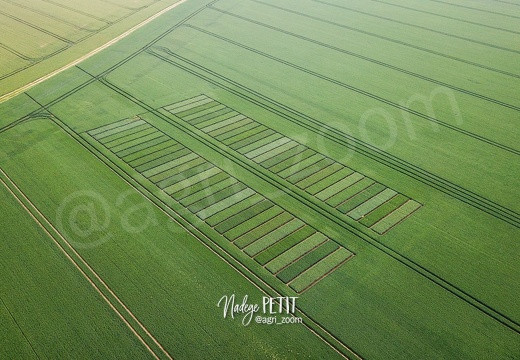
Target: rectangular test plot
(254,224)
(320,176)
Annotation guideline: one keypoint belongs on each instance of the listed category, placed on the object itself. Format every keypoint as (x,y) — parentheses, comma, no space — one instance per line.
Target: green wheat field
(361,156)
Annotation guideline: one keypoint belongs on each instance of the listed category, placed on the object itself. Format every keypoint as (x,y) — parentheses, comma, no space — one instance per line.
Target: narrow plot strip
(349,192)
(261,229)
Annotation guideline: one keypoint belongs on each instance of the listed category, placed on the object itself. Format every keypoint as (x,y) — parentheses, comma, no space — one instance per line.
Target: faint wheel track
(80,269)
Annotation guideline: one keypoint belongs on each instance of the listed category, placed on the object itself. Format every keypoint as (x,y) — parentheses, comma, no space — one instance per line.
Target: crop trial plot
(290,249)
(359,157)
(348,191)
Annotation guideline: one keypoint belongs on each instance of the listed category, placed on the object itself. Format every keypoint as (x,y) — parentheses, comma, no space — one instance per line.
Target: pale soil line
(24,88)
(81,270)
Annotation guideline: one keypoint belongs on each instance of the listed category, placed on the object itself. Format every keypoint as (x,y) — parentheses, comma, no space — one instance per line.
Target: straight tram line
(360,91)
(420,27)
(313,326)
(144,48)
(446,16)
(82,266)
(300,196)
(399,42)
(372,60)
(467,196)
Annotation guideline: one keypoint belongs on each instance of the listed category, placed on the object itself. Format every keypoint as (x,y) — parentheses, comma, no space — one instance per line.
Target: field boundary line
(34,61)
(85,263)
(26,87)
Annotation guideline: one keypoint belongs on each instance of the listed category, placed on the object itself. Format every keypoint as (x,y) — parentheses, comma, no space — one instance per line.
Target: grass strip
(192,100)
(264,228)
(133,138)
(268,147)
(371,204)
(126,133)
(216,120)
(219,114)
(187,104)
(167,155)
(213,118)
(227,202)
(275,152)
(207,111)
(216,197)
(300,165)
(111,126)
(193,170)
(319,175)
(117,129)
(234,209)
(395,217)
(266,140)
(195,183)
(119,148)
(239,122)
(350,191)
(278,158)
(221,124)
(228,136)
(248,137)
(175,164)
(144,145)
(383,210)
(252,223)
(244,134)
(309,170)
(328,181)
(336,188)
(209,191)
(153,152)
(197,109)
